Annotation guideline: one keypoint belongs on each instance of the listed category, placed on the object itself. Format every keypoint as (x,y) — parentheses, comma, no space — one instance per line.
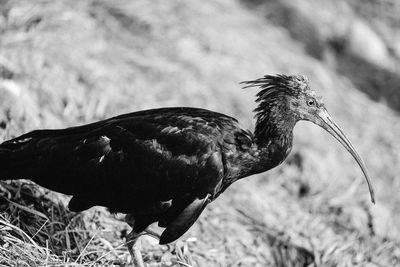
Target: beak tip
(372,196)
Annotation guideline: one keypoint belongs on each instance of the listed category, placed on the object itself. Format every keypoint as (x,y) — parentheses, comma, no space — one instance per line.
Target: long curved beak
(325,121)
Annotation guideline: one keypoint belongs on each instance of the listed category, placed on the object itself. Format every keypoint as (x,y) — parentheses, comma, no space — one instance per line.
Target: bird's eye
(311,102)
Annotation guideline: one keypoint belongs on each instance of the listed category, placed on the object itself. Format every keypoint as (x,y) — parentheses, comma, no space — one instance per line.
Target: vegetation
(66,62)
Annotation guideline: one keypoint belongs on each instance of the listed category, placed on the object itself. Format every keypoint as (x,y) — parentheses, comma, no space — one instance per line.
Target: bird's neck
(272,142)
(274,124)
(273,136)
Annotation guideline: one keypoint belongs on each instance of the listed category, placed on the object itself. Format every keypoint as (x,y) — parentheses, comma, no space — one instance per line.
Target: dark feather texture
(138,162)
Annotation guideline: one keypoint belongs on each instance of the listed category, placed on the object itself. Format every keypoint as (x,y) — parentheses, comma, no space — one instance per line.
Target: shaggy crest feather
(279,84)
(274,90)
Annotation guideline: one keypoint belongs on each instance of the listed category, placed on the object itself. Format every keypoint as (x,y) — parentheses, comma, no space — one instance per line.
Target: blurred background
(64,63)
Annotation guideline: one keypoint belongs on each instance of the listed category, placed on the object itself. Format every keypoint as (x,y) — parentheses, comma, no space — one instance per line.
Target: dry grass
(71,62)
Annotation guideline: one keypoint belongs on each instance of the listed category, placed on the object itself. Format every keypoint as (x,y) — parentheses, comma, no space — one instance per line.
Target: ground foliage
(71,62)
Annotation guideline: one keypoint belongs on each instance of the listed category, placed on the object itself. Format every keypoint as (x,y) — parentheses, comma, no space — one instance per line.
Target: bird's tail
(16,159)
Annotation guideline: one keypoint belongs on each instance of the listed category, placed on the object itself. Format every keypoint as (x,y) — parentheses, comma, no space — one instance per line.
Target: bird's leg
(132,240)
(151,233)
(134,248)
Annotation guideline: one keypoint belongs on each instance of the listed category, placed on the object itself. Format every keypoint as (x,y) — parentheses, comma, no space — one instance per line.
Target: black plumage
(164,165)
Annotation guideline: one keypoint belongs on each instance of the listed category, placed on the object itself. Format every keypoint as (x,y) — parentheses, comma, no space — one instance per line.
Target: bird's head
(290,98)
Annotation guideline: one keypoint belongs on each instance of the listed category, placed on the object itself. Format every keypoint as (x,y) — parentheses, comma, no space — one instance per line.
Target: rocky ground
(64,63)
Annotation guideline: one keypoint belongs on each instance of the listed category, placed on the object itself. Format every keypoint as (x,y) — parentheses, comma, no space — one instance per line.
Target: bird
(166,165)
